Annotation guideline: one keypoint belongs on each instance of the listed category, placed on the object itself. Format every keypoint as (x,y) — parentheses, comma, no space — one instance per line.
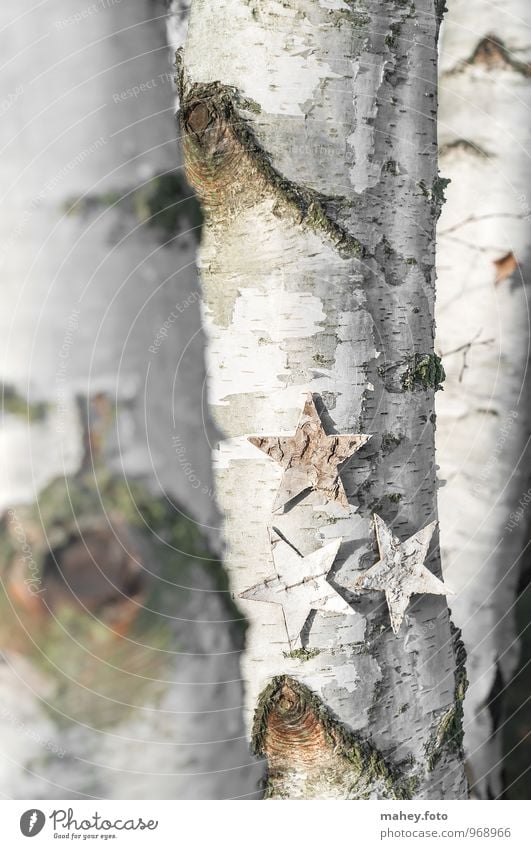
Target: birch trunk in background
(119,675)
(483,336)
(310,134)
(177,24)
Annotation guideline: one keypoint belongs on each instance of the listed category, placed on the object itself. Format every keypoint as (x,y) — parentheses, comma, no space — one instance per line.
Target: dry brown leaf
(505,267)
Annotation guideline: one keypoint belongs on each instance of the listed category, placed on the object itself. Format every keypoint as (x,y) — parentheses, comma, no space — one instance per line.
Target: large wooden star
(310,458)
(299,585)
(400,572)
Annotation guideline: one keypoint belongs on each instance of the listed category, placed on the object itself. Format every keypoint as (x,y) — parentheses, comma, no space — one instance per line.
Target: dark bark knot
(203,121)
(491,53)
(214,155)
(288,728)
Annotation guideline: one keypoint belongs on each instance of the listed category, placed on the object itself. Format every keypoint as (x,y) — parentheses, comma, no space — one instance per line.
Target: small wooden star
(310,458)
(400,572)
(299,585)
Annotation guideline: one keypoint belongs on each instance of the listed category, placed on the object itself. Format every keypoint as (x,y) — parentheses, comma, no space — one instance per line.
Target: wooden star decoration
(300,585)
(310,458)
(400,572)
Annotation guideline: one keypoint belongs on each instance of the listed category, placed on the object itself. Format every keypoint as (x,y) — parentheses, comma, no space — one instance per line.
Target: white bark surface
(95,302)
(342,99)
(483,334)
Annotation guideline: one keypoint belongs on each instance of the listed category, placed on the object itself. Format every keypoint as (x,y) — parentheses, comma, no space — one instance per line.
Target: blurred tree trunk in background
(120,645)
(483,335)
(310,134)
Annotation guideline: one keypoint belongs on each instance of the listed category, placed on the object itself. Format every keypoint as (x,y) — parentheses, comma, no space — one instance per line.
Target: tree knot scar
(198,118)
(204,121)
(231,171)
(213,155)
(310,754)
(289,729)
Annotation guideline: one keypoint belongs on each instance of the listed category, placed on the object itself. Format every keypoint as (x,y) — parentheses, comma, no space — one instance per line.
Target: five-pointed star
(310,458)
(400,572)
(299,585)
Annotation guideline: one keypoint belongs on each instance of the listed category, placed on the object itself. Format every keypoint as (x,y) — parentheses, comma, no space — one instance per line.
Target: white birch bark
(483,334)
(310,134)
(96,306)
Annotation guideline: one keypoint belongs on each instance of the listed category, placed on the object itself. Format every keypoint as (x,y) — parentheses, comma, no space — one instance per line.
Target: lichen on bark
(449,732)
(425,371)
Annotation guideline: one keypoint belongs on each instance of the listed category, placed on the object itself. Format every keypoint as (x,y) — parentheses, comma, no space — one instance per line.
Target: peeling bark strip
(310,459)
(310,132)
(311,756)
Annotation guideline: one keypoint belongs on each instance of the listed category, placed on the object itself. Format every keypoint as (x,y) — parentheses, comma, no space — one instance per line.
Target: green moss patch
(423,372)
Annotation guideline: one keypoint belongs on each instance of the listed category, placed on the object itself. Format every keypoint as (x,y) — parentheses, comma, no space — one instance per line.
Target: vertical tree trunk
(310,135)
(120,673)
(483,335)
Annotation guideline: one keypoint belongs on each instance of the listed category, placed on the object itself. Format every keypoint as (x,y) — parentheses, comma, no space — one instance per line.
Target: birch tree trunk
(483,335)
(310,134)
(119,674)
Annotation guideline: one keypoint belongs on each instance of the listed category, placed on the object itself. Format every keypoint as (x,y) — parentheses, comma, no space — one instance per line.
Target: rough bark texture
(483,335)
(310,134)
(119,674)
